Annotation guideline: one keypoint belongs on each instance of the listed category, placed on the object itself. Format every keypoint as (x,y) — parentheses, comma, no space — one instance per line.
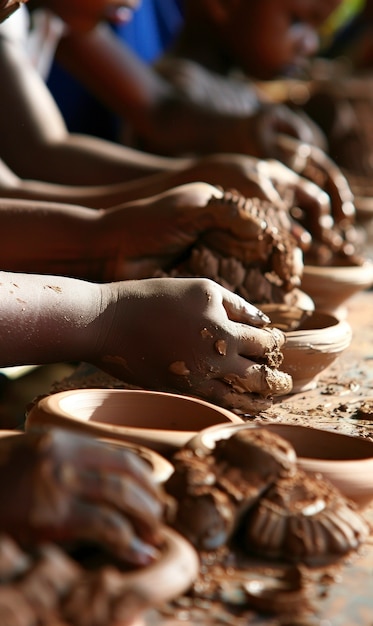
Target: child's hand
(273,120)
(314,164)
(189,336)
(59,486)
(176,220)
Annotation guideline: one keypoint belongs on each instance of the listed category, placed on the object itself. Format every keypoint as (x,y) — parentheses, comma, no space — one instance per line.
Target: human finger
(239,310)
(122,493)
(86,454)
(246,386)
(260,343)
(106,527)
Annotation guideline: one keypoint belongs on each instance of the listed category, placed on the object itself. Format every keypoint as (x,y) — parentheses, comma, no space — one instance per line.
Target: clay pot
(345,460)
(311,348)
(313,342)
(331,287)
(160,421)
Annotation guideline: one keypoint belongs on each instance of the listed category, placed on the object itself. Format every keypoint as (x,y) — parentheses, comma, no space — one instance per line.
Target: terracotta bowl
(313,342)
(331,287)
(160,421)
(345,460)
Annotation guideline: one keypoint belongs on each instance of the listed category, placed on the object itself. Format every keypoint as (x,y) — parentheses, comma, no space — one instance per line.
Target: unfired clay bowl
(345,460)
(311,347)
(331,287)
(160,421)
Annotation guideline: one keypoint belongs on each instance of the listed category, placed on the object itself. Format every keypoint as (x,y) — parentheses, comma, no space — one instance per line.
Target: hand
(314,164)
(178,219)
(273,181)
(273,120)
(189,336)
(59,486)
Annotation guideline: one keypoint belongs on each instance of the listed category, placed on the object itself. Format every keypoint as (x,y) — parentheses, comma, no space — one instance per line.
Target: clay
(249,485)
(214,491)
(264,269)
(303,518)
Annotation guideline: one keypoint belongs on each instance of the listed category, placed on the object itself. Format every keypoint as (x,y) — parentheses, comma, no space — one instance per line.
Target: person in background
(152,104)
(136,329)
(202,106)
(85,113)
(84,169)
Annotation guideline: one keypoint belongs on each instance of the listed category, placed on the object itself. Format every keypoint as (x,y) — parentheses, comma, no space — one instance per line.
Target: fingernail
(256,314)
(140,552)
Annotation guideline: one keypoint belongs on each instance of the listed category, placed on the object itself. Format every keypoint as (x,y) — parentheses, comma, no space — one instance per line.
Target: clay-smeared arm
(184,335)
(133,240)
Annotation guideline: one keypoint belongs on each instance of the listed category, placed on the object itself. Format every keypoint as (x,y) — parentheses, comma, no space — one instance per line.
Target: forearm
(40,146)
(46,319)
(167,120)
(56,238)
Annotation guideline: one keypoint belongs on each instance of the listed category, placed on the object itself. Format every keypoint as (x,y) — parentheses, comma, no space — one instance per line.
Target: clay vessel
(331,287)
(311,348)
(345,460)
(160,421)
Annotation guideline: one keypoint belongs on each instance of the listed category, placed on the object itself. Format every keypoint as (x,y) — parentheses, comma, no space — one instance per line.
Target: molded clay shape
(160,421)
(345,460)
(331,287)
(312,347)
(303,519)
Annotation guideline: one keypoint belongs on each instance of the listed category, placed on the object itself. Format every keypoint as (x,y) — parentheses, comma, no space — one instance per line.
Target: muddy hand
(178,219)
(60,486)
(276,120)
(190,336)
(314,164)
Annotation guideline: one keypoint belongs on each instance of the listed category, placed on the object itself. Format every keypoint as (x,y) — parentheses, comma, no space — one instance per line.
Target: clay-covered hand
(182,217)
(272,120)
(188,335)
(272,180)
(315,165)
(63,487)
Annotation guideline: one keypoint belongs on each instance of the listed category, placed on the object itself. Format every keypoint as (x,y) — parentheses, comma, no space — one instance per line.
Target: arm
(161,115)
(35,143)
(181,109)
(114,244)
(165,334)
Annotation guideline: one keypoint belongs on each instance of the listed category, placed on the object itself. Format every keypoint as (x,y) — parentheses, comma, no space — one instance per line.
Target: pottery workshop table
(342,596)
